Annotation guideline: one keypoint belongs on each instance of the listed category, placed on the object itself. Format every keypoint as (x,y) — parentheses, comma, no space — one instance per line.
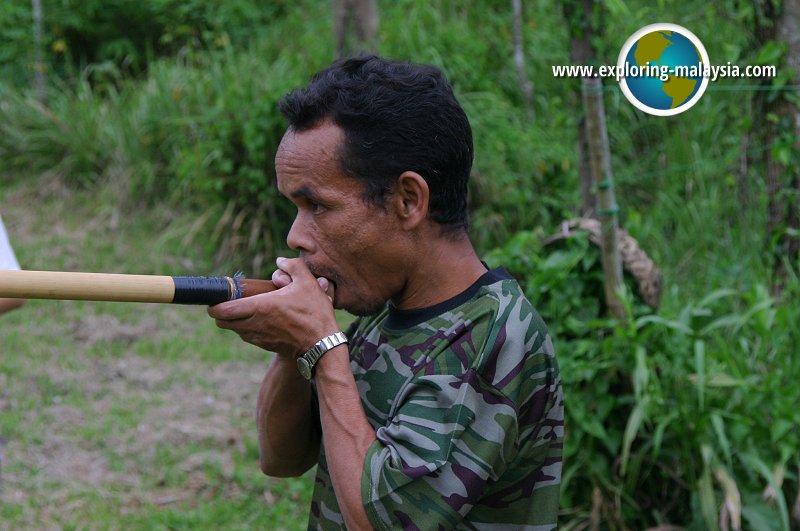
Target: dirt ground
(207,405)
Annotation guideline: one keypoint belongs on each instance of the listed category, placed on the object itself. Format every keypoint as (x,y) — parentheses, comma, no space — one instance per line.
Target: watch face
(304,368)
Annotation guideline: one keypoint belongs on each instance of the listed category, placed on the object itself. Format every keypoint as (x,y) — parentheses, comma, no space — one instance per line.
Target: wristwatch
(306,362)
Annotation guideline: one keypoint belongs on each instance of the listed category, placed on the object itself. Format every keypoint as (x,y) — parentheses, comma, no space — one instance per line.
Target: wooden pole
(600,159)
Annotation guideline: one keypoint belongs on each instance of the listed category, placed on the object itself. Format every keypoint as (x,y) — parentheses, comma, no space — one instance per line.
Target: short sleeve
(448,437)
(7,258)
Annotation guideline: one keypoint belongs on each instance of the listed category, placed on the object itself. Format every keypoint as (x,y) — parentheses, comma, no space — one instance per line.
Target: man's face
(339,235)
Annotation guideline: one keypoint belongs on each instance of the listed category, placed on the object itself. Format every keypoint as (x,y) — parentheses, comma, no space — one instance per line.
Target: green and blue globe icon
(663,69)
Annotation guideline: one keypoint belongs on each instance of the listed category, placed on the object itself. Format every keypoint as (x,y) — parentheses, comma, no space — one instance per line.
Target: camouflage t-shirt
(466,401)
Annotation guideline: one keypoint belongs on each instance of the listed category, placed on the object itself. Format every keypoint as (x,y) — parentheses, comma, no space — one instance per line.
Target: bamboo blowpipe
(128,288)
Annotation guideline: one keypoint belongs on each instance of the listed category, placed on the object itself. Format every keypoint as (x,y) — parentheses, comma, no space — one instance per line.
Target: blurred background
(139,136)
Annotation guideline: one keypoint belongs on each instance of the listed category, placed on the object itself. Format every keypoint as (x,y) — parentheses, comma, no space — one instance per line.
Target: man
(443,408)
(7,261)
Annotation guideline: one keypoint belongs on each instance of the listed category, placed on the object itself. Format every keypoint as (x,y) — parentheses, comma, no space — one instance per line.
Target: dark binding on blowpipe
(213,290)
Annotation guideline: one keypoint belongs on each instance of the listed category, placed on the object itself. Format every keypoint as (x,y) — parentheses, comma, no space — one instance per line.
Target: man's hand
(287,321)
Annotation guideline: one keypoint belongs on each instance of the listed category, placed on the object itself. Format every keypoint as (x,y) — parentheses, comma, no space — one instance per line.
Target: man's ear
(410,199)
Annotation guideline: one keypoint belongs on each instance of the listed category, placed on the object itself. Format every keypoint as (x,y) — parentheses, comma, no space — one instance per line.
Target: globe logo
(663,69)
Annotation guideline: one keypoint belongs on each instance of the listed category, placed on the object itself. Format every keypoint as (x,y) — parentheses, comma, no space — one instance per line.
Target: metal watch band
(306,362)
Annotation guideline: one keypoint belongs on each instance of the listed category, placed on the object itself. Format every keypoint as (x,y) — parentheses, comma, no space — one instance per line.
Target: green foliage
(204,131)
(16,42)
(123,36)
(660,405)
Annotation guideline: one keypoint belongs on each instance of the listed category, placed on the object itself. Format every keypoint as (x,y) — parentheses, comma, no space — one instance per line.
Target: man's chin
(358,307)
(360,312)
(344,299)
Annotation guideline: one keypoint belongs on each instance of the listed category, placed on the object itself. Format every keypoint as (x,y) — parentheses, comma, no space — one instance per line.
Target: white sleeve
(7,258)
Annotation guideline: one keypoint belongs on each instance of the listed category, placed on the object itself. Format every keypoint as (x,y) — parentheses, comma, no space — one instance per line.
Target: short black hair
(396,117)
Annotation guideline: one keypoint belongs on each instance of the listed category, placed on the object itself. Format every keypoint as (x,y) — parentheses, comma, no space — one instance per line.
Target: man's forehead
(320,142)
(307,165)
(307,155)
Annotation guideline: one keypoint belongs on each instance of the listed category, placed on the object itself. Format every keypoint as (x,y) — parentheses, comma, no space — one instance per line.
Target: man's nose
(299,238)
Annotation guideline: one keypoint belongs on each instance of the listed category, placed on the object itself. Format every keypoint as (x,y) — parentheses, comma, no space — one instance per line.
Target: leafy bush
(122,37)
(668,411)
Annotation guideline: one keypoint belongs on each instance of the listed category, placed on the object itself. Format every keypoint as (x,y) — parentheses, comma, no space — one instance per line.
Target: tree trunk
(600,159)
(788,31)
(355,26)
(578,15)
(39,76)
(781,23)
(519,60)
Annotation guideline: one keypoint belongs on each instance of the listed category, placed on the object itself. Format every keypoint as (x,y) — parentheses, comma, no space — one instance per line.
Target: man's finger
(326,286)
(323,283)
(281,279)
(234,310)
(296,268)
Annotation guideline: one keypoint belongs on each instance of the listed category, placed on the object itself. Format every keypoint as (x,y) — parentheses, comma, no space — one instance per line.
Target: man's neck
(445,269)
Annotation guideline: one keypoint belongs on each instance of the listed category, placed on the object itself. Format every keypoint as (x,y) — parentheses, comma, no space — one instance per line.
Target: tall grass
(203,129)
(183,136)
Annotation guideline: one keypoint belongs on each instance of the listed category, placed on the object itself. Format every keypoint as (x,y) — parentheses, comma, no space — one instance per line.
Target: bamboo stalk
(127,288)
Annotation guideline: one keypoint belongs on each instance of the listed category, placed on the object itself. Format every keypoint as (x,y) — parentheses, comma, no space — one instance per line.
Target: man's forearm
(286,435)
(346,432)
(6,305)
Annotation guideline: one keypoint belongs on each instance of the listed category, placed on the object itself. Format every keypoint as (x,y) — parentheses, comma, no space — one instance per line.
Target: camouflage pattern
(468,411)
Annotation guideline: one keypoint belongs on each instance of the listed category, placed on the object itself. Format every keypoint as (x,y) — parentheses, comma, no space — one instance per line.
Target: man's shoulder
(496,311)
(513,309)
(518,353)
(495,321)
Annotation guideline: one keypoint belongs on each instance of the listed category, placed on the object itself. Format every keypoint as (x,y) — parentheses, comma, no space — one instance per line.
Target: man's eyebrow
(304,192)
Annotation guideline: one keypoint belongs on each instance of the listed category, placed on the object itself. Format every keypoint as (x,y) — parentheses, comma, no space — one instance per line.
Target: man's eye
(316,208)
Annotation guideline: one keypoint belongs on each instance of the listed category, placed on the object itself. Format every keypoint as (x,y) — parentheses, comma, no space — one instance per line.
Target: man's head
(396,117)
(376,159)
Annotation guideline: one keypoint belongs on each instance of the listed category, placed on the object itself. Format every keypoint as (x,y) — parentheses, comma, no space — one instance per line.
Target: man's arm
(289,321)
(6,305)
(7,261)
(346,432)
(287,437)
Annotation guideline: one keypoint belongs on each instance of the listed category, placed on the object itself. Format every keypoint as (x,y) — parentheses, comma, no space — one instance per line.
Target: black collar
(400,319)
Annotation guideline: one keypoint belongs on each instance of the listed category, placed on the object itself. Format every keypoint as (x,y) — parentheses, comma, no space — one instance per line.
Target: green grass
(136,416)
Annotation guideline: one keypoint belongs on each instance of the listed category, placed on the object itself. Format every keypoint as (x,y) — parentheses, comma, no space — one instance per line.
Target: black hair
(396,117)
